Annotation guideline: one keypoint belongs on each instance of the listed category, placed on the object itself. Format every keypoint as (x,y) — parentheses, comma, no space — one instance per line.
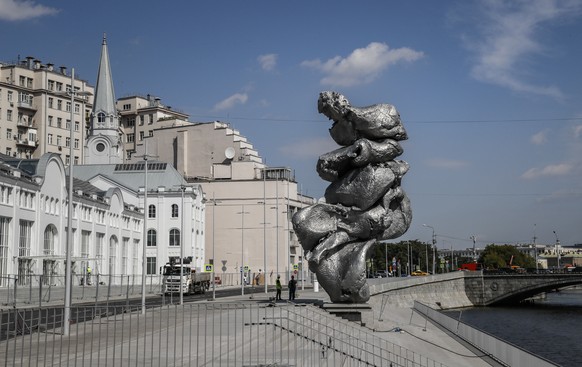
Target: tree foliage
(504,256)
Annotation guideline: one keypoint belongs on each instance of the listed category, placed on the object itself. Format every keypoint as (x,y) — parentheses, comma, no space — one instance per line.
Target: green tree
(503,256)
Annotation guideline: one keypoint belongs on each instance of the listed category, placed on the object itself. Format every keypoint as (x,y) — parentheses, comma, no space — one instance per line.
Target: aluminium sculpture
(364,202)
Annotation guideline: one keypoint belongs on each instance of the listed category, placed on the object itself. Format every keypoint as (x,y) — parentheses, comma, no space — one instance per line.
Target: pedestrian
(88,275)
(292,287)
(279,288)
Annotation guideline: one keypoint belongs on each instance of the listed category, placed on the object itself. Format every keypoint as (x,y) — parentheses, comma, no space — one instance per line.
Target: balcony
(26,105)
(27,143)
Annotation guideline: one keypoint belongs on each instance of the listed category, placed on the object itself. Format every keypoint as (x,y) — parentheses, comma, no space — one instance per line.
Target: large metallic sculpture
(364,202)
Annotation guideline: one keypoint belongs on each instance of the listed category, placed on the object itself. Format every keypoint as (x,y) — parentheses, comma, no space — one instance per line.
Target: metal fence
(39,290)
(199,334)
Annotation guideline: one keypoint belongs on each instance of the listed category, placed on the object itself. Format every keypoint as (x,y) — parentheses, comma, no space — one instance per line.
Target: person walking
(279,288)
(292,287)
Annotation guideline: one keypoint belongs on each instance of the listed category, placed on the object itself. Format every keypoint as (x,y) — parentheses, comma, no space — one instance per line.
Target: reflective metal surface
(364,201)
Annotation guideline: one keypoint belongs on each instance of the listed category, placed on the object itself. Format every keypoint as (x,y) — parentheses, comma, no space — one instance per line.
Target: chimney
(63,70)
(29,61)
(37,64)
(50,66)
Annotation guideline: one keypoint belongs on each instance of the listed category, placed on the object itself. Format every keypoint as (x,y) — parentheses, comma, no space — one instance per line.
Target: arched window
(101,118)
(50,234)
(112,254)
(174,210)
(152,211)
(152,238)
(174,237)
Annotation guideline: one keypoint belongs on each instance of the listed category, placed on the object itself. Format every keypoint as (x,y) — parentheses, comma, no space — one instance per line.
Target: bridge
(467,288)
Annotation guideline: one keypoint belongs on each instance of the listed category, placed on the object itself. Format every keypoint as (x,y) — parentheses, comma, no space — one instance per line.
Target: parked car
(419,273)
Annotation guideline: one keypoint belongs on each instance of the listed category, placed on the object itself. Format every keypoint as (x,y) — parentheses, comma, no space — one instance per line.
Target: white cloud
(446,163)
(13,10)
(509,30)
(539,138)
(363,65)
(577,131)
(309,148)
(230,102)
(560,169)
(268,62)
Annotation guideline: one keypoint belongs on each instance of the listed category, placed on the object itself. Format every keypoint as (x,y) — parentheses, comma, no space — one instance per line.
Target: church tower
(104,144)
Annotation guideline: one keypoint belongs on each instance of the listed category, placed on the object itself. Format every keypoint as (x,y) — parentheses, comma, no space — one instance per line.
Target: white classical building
(107,229)
(175,209)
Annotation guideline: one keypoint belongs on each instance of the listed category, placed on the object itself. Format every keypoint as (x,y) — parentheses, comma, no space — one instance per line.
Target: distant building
(249,205)
(35,110)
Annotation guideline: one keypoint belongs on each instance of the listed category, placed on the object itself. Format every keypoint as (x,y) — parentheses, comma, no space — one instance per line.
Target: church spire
(104,144)
(104,93)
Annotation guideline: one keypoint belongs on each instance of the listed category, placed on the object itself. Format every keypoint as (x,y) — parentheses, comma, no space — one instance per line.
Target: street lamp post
(242,249)
(69,244)
(557,249)
(182,188)
(433,250)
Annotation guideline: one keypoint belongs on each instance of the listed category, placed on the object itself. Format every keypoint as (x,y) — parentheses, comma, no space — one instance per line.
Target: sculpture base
(343,273)
(356,312)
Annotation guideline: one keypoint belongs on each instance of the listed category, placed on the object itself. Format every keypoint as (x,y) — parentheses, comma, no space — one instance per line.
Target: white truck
(182,277)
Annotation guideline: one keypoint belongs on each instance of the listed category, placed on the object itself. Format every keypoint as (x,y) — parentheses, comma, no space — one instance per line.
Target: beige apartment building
(35,110)
(249,205)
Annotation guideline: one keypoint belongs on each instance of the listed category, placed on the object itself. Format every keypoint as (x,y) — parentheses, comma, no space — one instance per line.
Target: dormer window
(100,118)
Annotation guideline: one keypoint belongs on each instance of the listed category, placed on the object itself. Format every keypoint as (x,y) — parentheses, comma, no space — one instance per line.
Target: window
(101,118)
(50,138)
(127,106)
(59,140)
(8,134)
(9,115)
(130,138)
(77,108)
(85,238)
(174,237)
(124,255)
(50,121)
(51,85)
(50,234)
(151,265)
(51,102)
(67,141)
(152,238)
(59,104)
(59,122)
(22,81)
(131,121)
(152,211)
(141,134)
(141,119)
(174,210)
(68,106)
(4,228)
(9,97)
(77,125)
(112,255)
(135,253)
(25,238)
(76,144)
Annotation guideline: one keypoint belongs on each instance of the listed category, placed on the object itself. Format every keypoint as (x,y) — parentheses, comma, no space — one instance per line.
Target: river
(550,327)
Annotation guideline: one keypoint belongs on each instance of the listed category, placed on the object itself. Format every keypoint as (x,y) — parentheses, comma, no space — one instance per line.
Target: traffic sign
(208,268)
(295,267)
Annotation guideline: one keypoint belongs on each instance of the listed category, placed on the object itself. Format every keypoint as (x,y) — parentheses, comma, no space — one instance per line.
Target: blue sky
(490,92)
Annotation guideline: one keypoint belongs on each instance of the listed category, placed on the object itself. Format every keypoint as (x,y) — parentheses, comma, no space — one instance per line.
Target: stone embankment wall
(444,291)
